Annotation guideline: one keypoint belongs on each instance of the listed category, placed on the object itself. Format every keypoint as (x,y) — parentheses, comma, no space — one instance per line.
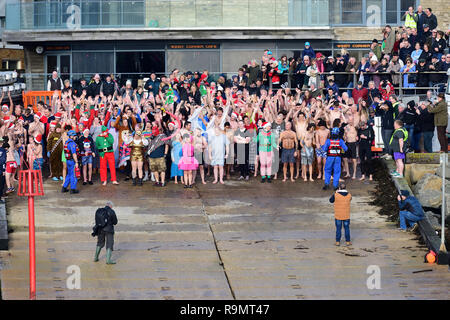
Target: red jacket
(357,94)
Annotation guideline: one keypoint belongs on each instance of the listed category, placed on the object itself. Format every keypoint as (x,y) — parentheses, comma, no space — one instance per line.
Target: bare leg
(202,173)
(319,167)
(85,173)
(216,174)
(163,177)
(156,174)
(221,174)
(285,172)
(256,165)
(355,164)
(346,168)
(311,173)
(90,171)
(291,167)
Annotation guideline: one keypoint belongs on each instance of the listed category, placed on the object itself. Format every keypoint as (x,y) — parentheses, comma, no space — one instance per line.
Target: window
(352,12)
(370,12)
(93,62)
(9,64)
(140,62)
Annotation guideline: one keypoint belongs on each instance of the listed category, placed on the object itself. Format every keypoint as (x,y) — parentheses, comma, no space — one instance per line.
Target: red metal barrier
(31,185)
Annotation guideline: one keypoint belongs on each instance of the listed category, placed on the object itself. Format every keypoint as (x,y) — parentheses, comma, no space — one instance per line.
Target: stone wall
(13,54)
(441,8)
(358,33)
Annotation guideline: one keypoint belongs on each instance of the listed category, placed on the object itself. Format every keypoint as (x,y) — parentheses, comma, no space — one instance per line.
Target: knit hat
(38,138)
(104,128)
(404,193)
(335,131)
(374,58)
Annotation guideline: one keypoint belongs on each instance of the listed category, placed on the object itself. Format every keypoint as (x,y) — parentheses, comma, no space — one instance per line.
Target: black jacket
(434,77)
(425,121)
(108,88)
(408,116)
(112,220)
(431,21)
(422,78)
(369,133)
(387,117)
(94,89)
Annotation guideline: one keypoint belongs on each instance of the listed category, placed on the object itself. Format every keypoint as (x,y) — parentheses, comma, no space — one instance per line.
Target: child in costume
(335,148)
(87,151)
(188,163)
(176,154)
(55,146)
(267,143)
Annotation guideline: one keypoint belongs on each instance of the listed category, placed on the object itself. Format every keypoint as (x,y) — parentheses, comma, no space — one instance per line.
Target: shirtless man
(34,153)
(321,136)
(288,140)
(350,138)
(300,128)
(200,146)
(11,164)
(36,127)
(308,152)
(334,112)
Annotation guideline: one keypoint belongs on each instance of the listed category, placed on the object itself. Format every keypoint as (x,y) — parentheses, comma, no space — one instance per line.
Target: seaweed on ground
(385,195)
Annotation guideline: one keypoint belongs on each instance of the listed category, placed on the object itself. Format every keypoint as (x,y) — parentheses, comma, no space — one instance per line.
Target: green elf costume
(104,143)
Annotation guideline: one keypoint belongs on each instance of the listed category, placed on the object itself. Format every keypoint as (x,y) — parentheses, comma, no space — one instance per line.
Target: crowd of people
(273,111)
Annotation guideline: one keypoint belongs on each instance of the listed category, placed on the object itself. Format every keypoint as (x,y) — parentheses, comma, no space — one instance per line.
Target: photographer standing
(105,220)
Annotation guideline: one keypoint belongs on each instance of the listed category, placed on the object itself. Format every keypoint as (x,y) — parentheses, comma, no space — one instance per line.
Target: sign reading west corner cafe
(193,46)
(352,45)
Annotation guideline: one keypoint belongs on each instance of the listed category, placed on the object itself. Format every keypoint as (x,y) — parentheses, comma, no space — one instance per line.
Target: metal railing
(38,81)
(94,14)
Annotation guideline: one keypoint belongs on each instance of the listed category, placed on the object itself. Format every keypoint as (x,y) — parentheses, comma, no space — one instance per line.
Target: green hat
(104,128)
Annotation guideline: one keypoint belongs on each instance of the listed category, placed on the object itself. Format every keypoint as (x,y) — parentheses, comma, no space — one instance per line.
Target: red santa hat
(58,115)
(6,119)
(235,114)
(53,124)
(5,106)
(172,123)
(21,119)
(11,126)
(203,77)
(266,124)
(38,114)
(38,138)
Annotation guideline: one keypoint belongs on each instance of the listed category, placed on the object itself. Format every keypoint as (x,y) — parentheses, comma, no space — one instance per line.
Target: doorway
(60,63)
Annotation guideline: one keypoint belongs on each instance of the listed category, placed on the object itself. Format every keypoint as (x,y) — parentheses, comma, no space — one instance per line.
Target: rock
(427,183)
(431,198)
(434,222)
(417,171)
(447,172)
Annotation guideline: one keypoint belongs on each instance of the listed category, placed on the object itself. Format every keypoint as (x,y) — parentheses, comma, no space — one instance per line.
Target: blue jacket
(412,205)
(308,52)
(341,144)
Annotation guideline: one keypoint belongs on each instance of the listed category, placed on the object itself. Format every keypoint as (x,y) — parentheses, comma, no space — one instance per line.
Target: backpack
(101,217)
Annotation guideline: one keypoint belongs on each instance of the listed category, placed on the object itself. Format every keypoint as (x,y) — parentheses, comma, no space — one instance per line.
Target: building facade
(131,38)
